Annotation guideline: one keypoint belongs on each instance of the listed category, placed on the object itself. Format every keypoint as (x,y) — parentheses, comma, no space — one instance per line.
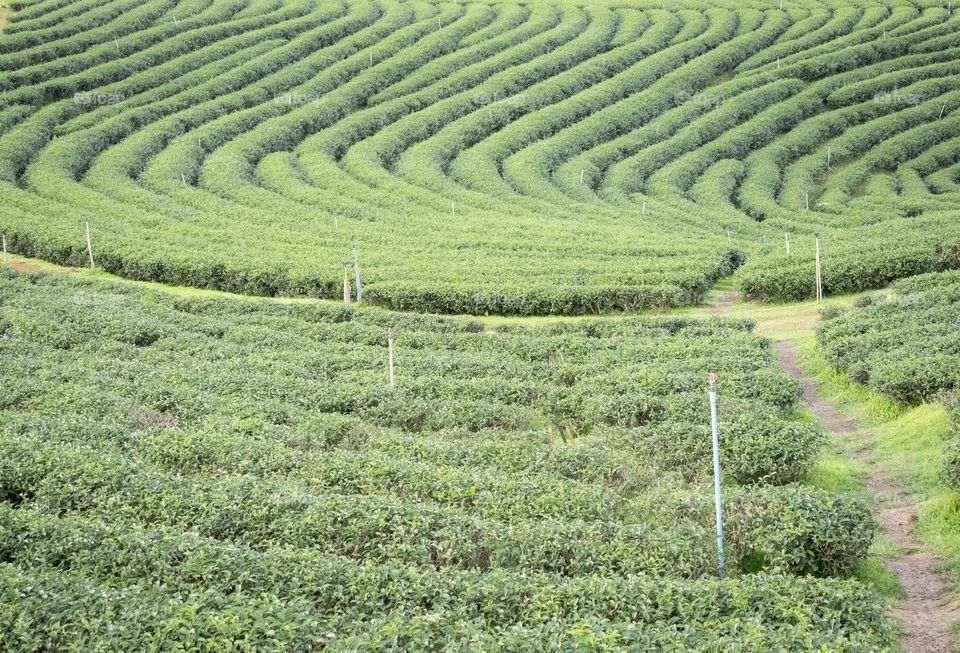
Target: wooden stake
(89,246)
(390,353)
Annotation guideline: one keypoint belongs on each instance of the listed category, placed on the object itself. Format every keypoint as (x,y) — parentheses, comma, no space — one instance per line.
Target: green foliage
(511,159)
(244,469)
(907,346)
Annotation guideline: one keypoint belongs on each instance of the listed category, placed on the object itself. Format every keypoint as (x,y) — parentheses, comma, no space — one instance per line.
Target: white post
(643,209)
(453,208)
(712,378)
(787,237)
(829,152)
(183,179)
(346,286)
(371,58)
(356,274)
(819,277)
(941,111)
(336,221)
(806,200)
(729,239)
(117,43)
(89,246)
(4,249)
(390,353)
(581,176)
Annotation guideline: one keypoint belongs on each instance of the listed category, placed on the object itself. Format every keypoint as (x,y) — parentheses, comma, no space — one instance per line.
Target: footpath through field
(925,613)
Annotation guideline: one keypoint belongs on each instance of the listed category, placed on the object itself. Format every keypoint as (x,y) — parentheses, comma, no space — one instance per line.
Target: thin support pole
(346,286)
(4,249)
(787,238)
(716,468)
(89,247)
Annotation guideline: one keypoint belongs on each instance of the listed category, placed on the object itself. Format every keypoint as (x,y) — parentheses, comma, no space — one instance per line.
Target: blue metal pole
(716,467)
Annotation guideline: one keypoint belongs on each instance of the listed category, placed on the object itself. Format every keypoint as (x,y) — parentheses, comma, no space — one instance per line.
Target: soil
(926,611)
(724,302)
(25,267)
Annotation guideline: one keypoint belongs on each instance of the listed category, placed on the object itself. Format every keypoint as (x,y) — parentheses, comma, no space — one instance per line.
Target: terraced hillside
(196,474)
(502,157)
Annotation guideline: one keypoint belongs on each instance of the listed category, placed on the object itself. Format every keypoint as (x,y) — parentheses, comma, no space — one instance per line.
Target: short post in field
(942,107)
(346,285)
(453,208)
(356,274)
(89,246)
(712,379)
(829,152)
(819,276)
(787,238)
(729,238)
(390,353)
(581,176)
(643,209)
(806,200)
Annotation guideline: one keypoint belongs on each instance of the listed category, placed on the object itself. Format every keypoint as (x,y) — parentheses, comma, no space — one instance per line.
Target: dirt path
(925,613)
(724,301)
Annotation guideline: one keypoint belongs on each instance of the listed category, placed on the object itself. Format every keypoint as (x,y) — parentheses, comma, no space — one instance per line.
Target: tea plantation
(395,470)
(907,345)
(234,474)
(528,158)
